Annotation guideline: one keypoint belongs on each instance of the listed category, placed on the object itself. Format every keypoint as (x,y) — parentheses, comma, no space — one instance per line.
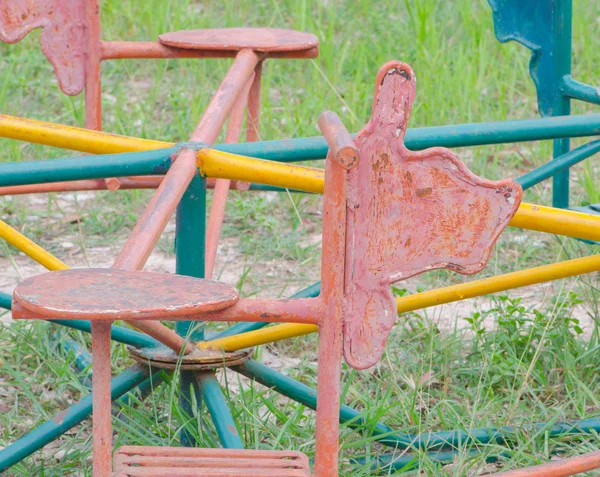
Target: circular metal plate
(235,39)
(197,360)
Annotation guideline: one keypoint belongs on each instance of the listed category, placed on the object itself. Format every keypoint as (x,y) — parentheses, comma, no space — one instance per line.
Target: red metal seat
(139,461)
(267,40)
(112,294)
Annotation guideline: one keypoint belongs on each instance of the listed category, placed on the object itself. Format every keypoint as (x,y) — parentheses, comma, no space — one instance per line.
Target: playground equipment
(370,313)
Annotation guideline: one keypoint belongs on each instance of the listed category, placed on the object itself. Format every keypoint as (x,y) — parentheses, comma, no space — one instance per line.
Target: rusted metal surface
(62,39)
(119,50)
(409,212)
(332,298)
(236,39)
(200,359)
(139,461)
(111,294)
(559,468)
(125,183)
(101,424)
(221,187)
(341,146)
(93,92)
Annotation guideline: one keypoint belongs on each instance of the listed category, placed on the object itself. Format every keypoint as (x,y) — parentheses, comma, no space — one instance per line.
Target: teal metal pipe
(459,135)
(117,333)
(292,150)
(68,418)
(580,91)
(425,441)
(219,411)
(308,292)
(155,162)
(190,243)
(565,161)
(5,301)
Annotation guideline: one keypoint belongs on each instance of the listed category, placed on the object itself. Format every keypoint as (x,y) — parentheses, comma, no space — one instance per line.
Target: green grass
(511,362)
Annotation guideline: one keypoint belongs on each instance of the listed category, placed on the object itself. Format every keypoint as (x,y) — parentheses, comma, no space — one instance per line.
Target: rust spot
(60,417)
(424,192)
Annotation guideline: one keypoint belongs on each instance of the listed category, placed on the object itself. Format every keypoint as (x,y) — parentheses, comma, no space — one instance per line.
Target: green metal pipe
(68,418)
(580,91)
(424,441)
(292,150)
(460,135)
(190,242)
(88,167)
(239,328)
(219,411)
(565,161)
(117,333)
(5,301)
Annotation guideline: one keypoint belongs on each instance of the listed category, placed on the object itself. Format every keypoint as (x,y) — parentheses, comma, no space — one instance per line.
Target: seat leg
(102,432)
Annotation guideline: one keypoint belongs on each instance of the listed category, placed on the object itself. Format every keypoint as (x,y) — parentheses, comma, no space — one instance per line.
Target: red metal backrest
(63,36)
(409,212)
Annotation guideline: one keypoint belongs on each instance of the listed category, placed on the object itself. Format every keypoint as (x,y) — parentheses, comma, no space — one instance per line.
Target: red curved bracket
(63,35)
(409,212)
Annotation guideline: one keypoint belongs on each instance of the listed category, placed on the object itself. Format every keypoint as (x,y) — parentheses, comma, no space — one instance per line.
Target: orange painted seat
(112,294)
(268,40)
(139,461)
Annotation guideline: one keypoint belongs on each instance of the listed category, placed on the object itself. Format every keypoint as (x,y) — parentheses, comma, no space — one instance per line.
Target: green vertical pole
(190,236)
(562,104)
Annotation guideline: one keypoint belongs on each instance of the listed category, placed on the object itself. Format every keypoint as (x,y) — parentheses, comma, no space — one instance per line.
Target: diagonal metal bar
(219,410)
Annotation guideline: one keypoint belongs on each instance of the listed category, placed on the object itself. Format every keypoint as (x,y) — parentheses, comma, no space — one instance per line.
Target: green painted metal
(563,162)
(219,411)
(190,240)
(562,104)
(308,292)
(89,167)
(460,135)
(67,419)
(117,333)
(5,301)
(293,150)
(580,91)
(425,441)
(270,188)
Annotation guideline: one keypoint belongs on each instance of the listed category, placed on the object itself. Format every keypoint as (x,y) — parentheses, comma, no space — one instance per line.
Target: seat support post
(102,431)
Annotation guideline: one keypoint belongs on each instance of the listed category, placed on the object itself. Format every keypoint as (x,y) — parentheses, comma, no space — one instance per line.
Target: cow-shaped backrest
(409,212)
(63,37)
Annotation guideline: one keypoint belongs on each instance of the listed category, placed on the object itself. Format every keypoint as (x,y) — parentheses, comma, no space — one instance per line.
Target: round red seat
(112,294)
(234,39)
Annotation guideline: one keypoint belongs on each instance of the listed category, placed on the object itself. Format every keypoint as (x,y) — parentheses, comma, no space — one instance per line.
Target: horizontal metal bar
(155,162)
(460,135)
(69,418)
(118,333)
(219,411)
(580,91)
(387,436)
(556,165)
(308,292)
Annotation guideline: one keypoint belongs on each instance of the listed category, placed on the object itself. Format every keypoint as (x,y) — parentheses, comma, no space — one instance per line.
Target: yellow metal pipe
(258,337)
(230,166)
(33,250)
(219,164)
(418,301)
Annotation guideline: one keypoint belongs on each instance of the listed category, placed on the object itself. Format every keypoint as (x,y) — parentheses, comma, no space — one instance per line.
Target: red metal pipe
(119,50)
(143,238)
(150,182)
(217,208)
(559,468)
(102,432)
(93,107)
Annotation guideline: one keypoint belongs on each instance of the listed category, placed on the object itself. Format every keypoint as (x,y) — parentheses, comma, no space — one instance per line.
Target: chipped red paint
(222,186)
(409,212)
(237,39)
(62,39)
(139,461)
(112,294)
(559,468)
